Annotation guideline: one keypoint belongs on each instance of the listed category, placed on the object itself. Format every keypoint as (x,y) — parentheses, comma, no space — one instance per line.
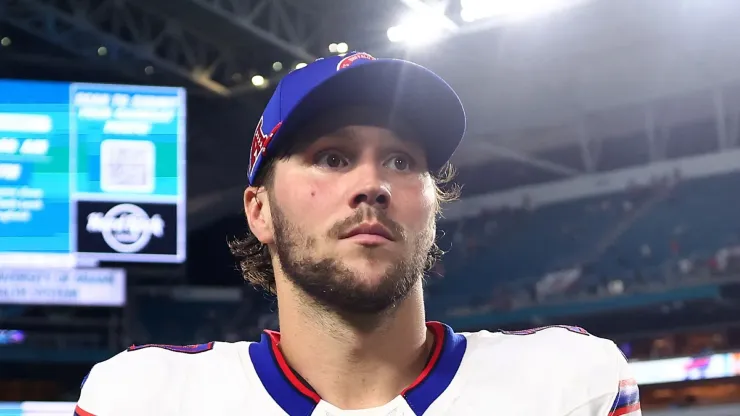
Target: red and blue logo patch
(260,141)
(186,349)
(351,59)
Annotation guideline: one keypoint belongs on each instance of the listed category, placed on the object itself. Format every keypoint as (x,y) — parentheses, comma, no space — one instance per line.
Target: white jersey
(549,371)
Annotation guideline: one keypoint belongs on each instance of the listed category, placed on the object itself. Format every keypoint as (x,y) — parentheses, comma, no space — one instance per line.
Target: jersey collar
(296,397)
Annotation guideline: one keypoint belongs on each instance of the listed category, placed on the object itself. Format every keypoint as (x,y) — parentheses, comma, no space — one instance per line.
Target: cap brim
(408,90)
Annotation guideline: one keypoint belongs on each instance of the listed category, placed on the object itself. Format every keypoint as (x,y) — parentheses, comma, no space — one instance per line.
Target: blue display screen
(91,171)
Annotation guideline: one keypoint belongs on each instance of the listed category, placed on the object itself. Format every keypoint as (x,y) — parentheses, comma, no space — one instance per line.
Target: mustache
(367,214)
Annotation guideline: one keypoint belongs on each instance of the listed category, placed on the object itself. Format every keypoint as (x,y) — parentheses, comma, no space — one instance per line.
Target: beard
(331,283)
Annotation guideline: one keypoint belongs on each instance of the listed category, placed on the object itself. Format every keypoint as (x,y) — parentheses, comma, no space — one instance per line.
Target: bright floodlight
(333,47)
(509,10)
(300,65)
(415,31)
(396,34)
(342,47)
(258,80)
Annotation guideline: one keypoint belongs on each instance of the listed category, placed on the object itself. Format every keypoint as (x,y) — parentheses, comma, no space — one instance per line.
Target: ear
(257,210)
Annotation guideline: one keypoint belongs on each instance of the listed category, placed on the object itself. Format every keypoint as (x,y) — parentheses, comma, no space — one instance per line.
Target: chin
(370,273)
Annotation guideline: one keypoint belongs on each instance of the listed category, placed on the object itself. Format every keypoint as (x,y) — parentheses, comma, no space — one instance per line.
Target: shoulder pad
(110,385)
(589,370)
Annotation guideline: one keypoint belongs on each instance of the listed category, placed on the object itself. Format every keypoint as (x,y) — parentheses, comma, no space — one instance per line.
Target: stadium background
(601,175)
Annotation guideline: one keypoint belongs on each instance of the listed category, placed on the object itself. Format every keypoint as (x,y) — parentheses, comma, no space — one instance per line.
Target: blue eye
(399,162)
(332,160)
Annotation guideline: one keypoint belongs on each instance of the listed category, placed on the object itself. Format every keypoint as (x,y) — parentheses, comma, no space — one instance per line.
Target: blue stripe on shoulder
(273,379)
(440,377)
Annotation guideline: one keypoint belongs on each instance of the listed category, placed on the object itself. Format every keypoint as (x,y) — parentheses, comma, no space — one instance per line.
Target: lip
(369,230)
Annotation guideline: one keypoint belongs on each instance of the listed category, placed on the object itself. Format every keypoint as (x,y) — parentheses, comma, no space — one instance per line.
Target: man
(346,176)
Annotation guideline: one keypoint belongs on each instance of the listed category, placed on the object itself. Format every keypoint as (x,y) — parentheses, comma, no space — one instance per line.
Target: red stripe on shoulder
(81,412)
(628,398)
(625,410)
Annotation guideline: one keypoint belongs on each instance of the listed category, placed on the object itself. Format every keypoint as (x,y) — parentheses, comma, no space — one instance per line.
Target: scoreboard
(91,172)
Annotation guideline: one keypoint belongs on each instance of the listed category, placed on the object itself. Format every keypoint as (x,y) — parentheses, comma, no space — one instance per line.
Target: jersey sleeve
(126,384)
(623,399)
(627,400)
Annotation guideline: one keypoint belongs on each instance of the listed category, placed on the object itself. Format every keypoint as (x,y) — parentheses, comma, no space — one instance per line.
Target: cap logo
(351,59)
(260,143)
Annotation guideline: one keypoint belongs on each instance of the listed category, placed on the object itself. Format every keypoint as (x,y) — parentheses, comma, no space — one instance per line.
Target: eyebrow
(349,136)
(344,133)
(333,130)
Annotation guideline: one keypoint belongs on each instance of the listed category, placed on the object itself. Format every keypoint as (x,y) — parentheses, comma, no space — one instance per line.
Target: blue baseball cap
(409,90)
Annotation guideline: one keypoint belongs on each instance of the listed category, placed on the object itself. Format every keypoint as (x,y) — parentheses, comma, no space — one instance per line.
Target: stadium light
(300,65)
(472,10)
(338,48)
(416,30)
(258,80)
(5,41)
(277,66)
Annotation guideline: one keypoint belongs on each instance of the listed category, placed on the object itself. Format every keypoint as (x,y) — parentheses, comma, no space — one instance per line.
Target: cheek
(421,212)
(310,205)
(429,195)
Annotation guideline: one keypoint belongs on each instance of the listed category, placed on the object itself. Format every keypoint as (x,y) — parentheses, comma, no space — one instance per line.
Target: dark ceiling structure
(215,46)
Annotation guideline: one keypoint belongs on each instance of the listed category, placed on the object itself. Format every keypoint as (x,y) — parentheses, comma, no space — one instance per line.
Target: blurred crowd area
(669,233)
(699,342)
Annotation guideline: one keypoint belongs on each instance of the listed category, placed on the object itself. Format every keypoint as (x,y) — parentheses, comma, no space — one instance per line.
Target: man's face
(353,211)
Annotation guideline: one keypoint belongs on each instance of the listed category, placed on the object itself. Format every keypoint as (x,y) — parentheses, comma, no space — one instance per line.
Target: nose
(371,190)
